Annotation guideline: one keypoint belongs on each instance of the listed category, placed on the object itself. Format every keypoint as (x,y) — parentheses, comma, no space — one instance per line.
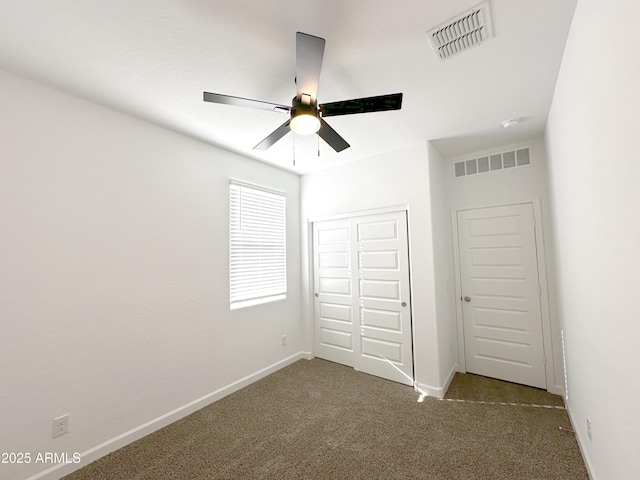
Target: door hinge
(539,291)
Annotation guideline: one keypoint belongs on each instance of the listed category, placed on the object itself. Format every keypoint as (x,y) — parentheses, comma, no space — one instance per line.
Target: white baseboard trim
(429,390)
(438,392)
(452,373)
(579,441)
(151,426)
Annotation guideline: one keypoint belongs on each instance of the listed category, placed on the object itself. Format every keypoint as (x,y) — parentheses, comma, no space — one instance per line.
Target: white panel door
(362,297)
(501,294)
(384,298)
(334,322)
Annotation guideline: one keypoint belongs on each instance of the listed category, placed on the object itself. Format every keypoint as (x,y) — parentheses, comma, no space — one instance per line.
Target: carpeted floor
(319,420)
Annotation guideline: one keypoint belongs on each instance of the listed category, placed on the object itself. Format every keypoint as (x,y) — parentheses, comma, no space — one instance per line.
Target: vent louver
(462,32)
(493,162)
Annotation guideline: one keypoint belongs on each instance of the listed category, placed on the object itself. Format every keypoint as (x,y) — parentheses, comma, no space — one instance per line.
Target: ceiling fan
(305,115)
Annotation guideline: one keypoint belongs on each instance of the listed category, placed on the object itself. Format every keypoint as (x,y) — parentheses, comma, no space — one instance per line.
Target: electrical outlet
(283,340)
(589,428)
(60,425)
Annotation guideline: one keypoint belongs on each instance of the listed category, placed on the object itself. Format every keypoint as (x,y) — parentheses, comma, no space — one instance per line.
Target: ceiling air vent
(493,162)
(462,32)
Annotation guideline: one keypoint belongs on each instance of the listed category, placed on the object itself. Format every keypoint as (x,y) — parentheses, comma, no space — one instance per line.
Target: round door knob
(404,304)
(317,295)
(467,299)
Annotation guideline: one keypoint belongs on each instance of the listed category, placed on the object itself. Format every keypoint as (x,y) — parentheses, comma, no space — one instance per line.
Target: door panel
(382,319)
(335,312)
(333,287)
(336,286)
(501,307)
(378,289)
(385,321)
(375,348)
(334,260)
(380,260)
(379,300)
(376,231)
(337,338)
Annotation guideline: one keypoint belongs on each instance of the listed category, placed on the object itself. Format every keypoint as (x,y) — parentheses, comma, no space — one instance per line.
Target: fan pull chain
(318,138)
(293,143)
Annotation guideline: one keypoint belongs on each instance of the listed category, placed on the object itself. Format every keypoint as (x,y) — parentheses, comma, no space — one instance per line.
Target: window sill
(256,301)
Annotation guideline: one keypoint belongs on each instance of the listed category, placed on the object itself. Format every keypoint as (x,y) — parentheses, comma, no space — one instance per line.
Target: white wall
(513,184)
(593,138)
(397,178)
(527,183)
(114,267)
(439,174)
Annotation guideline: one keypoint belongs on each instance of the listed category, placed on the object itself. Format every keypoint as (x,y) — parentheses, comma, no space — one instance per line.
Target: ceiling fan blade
(276,135)
(362,105)
(309,53)
(330,136)
(244,102)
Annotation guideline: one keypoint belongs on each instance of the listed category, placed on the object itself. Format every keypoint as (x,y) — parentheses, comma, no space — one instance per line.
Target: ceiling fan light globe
(305,124)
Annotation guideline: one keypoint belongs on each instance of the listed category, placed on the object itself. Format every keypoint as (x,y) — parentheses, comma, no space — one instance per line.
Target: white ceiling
(154,58)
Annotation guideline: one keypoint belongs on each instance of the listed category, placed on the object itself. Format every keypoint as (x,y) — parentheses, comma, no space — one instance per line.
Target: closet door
(383,297)
(362,295)
(334,323)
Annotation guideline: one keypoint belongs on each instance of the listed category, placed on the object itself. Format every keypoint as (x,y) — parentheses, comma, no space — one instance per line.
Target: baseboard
(438,392)
(145,429)
(429,390)
(452,373)
(583,452)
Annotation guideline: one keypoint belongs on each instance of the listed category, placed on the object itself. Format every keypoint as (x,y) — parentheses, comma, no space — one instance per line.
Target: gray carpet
(319,420)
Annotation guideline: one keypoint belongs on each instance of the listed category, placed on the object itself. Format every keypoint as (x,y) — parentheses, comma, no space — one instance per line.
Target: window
(258,267)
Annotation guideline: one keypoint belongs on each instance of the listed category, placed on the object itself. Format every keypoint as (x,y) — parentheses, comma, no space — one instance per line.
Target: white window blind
(258,268)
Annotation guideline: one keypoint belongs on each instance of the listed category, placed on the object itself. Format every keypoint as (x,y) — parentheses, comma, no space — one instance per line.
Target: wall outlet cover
(60,425)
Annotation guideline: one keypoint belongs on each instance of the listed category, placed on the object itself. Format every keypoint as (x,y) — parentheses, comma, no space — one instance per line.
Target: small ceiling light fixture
(512,122)
(305,123)
(304,116)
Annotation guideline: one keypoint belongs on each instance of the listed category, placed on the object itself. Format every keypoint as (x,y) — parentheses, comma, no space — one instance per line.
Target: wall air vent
(491,163)
(462,32)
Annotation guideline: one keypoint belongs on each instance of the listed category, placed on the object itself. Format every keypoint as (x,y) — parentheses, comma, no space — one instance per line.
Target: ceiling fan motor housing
(299,107)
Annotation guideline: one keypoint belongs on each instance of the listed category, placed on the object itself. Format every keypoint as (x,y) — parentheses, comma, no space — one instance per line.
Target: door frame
(542,281)
(360,213)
